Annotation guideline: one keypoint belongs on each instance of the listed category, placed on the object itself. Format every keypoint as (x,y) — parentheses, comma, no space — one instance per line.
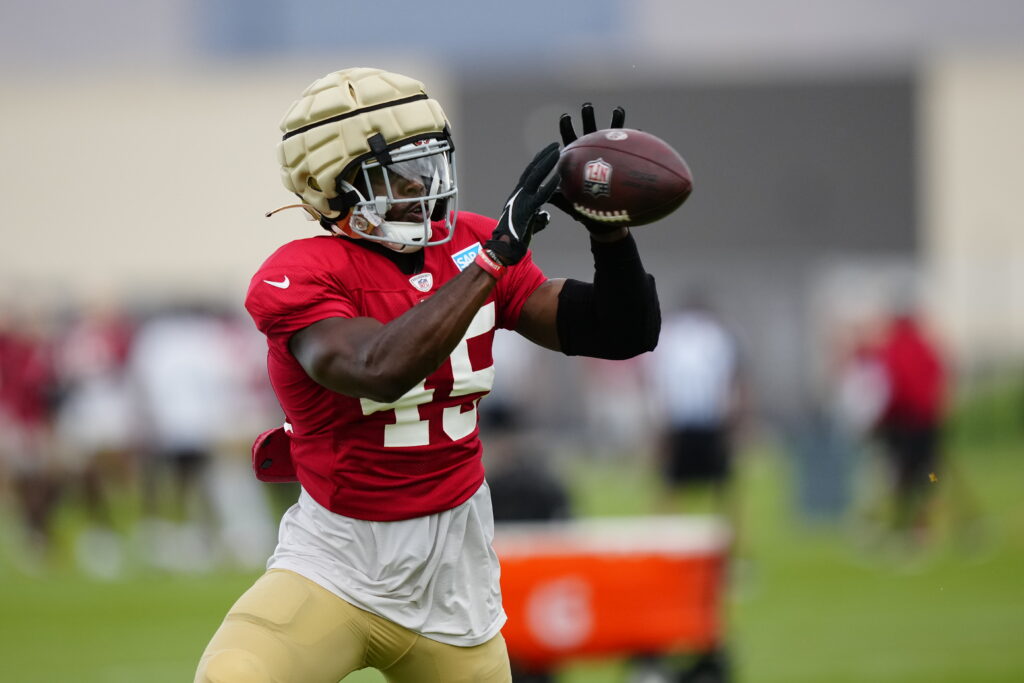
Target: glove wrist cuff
(489,263)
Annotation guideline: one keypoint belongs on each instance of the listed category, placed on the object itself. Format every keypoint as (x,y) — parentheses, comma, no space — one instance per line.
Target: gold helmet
(360,143)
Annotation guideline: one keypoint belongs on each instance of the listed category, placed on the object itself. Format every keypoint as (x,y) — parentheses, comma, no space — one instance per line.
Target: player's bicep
(538,321)
(330,351)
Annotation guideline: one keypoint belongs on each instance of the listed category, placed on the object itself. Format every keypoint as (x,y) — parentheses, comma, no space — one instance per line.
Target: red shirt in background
(27,379)
(915,373)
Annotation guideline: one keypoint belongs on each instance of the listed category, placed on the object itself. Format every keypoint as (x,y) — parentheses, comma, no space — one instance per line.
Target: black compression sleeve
(617,316)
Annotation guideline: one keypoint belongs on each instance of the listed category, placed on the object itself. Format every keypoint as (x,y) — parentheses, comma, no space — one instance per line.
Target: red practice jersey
(370,460)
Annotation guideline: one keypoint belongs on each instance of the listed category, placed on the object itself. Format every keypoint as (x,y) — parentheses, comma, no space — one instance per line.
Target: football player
(379,349)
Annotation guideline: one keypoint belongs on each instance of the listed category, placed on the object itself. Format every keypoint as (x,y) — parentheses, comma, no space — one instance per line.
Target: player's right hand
(522,216)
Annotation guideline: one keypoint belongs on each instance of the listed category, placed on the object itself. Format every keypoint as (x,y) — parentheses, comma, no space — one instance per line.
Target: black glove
(589,124)
(522,215)
(565,127)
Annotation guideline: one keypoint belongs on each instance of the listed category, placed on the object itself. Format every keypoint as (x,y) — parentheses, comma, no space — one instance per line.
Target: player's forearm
(415,344)
(611,236)
(616,317)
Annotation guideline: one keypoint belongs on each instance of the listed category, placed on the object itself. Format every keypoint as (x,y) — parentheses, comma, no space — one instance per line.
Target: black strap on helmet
(379,148)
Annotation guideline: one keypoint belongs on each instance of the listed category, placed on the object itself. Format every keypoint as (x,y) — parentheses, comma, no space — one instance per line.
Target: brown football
(623,176)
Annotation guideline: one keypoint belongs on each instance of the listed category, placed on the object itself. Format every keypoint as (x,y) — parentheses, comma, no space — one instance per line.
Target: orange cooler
(611,587)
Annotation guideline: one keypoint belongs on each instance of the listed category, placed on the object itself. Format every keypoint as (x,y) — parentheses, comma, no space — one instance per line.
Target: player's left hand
(522,216)
(568,133)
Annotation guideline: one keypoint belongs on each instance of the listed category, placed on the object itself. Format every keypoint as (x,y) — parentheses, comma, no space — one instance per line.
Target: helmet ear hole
(313,184)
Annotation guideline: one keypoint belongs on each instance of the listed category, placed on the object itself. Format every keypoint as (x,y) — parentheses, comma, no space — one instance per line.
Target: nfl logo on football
(597,176)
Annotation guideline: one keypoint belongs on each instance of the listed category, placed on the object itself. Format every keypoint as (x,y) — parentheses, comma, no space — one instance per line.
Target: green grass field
(809,602)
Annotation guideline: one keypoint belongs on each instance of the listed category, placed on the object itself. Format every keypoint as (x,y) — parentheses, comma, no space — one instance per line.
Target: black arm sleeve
(617,316)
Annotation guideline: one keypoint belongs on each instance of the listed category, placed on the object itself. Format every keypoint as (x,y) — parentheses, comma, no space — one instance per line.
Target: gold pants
(287,629)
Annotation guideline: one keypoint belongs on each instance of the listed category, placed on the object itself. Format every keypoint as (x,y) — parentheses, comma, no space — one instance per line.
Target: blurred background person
(853,395)
(856,378)
(695,377)
(28,394)
(911,423)
(616,407)
(245,510)
(194,386)
(95,427)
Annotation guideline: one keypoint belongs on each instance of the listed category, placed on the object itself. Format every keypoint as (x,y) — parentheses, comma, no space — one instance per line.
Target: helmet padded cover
(312,160)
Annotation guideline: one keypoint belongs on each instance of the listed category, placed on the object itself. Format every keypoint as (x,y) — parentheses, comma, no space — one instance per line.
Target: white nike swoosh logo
(508,207)
(283,284)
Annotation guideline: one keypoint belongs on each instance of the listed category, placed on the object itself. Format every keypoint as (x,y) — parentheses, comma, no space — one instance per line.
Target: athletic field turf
(809,603)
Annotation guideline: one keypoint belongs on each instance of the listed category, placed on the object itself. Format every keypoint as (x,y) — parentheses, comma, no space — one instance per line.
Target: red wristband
(490,265)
